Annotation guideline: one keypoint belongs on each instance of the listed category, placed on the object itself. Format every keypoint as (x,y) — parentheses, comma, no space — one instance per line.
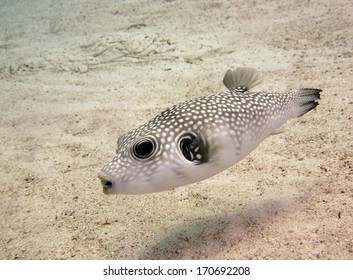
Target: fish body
(199,138)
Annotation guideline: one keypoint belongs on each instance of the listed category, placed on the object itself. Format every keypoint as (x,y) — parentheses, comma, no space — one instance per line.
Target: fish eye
(144,148)
(194,148)
(184,145)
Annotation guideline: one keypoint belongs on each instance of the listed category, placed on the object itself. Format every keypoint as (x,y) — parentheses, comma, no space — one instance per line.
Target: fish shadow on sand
(210,237)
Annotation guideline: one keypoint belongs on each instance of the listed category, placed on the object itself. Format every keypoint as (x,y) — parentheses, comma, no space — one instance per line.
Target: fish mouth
(106,183)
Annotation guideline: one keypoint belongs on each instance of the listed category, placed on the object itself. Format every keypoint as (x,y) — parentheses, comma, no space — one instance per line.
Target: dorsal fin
(243,78)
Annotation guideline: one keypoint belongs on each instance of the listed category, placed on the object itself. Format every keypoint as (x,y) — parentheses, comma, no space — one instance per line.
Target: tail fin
(305,100)
(243,78)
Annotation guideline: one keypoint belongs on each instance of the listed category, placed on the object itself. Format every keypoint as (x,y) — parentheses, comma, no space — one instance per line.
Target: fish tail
(304,100)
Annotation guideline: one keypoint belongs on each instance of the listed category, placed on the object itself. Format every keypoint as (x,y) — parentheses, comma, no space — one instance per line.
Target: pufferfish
(199,138)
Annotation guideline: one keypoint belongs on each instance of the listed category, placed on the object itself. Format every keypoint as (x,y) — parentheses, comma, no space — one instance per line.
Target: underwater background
(74,75)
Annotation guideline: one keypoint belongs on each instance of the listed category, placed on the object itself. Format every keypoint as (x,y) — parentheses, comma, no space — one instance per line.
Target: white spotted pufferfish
(199,138)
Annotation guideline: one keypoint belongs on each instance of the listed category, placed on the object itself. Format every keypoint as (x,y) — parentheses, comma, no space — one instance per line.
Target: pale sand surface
(74,75)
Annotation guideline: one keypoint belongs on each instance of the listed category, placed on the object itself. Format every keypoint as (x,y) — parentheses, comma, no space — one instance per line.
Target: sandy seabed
(74,75)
